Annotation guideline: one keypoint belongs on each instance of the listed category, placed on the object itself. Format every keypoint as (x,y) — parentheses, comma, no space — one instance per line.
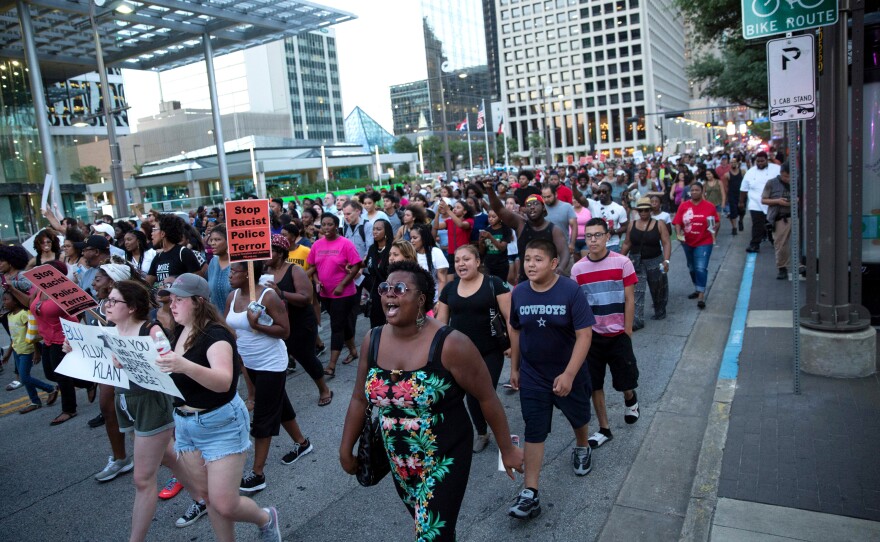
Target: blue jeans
(698,264)
(24,363)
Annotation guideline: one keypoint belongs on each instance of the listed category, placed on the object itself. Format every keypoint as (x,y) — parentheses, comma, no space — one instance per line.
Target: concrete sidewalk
(741,457)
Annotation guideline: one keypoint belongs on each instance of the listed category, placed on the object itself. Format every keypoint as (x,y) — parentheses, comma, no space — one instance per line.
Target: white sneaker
(14,385)
(114,468)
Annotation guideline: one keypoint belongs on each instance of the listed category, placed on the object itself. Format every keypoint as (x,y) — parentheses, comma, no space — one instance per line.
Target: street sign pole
(795,260)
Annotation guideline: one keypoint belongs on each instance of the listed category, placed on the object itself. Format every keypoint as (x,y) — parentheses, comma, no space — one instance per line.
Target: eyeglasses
(111,302)
(399,289)
(592,236)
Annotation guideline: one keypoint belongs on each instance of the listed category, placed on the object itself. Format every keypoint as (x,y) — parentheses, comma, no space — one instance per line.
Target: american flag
(481,118)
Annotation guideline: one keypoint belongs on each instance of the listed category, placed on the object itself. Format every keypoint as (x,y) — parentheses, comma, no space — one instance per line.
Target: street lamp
(731,128)
(115,156)
(547,91)
(662,135)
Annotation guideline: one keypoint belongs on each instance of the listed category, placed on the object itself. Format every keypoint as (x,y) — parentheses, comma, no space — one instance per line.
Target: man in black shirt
(173,258)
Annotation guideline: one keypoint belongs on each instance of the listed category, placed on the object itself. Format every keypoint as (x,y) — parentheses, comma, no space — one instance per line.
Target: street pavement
(48,489)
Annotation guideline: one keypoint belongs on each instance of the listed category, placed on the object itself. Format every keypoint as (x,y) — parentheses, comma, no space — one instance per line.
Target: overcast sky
(382,47)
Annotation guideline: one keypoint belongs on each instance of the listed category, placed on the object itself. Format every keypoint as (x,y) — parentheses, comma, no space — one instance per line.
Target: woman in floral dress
(415,372)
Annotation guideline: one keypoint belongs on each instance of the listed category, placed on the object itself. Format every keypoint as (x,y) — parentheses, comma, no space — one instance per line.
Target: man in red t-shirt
(563,193)
(696,224)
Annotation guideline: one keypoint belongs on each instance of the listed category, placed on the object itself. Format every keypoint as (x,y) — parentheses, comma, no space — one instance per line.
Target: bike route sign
(762,18)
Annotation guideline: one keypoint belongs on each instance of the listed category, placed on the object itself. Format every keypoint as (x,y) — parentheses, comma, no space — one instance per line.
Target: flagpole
(470,152)
(504,142)
(485,132)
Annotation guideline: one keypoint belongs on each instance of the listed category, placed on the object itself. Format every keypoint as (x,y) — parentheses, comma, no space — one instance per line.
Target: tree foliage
(403,145)
(86,175)
(738,72)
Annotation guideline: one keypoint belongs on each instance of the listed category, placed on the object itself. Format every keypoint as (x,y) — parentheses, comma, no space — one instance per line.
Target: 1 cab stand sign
(248,233)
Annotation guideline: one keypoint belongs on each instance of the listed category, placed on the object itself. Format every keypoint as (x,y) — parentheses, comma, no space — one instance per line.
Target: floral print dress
(428,438)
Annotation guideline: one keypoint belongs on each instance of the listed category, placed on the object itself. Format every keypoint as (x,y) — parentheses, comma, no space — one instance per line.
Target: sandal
(351,357)
(329,373)
(30,408)
(324,401)
(52,397)
(63,417)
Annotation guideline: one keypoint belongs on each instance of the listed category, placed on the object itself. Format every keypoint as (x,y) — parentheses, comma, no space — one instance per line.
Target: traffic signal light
(708,125)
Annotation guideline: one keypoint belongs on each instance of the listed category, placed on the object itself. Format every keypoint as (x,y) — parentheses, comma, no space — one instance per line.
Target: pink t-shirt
(329,258)
(583,216)
(48,315)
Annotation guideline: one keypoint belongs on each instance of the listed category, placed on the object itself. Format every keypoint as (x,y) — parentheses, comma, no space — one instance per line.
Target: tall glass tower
(456,54)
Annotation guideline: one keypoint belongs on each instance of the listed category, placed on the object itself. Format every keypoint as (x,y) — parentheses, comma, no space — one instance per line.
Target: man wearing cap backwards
(621,181)
(173,258)
(95,251)
(533,226)
(614,214)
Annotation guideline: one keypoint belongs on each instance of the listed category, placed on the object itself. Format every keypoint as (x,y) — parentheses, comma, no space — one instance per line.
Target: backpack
(360,230)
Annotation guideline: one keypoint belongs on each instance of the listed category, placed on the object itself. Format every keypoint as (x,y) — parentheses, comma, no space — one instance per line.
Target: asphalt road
(48,490)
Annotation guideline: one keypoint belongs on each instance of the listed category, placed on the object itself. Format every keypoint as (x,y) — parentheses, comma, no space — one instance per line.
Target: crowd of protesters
(549,268)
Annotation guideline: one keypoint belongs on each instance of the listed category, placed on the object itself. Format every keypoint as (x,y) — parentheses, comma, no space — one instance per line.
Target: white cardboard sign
(138,356)
(89,359)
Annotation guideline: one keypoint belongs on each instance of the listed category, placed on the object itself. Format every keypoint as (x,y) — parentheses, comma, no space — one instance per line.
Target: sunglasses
(386,289)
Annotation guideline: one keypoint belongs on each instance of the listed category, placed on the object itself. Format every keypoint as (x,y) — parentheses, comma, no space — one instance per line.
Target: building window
(622,36)
(634,18)
(624,82)
(600,71)
(636,49)
(639,95)
(612,69)
(627,97)
(637,65)
(599,40)
(624,67)
(636,34)
(603,100)
(600,56)
(600,85)
(612,84)
(612,54)
(610,38)
(588,57)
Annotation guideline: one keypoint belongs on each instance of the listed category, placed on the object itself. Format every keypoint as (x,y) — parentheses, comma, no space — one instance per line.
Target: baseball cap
(106,229)
(188,285)
(534,197)
(619,172)
(97,242)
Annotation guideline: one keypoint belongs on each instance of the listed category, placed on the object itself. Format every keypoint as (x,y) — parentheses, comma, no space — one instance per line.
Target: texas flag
(462,126)
(501,126)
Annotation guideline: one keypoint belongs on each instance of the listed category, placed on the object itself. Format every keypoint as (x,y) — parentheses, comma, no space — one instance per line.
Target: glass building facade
(458,37)
(315,95)
(361,129)
(22,173)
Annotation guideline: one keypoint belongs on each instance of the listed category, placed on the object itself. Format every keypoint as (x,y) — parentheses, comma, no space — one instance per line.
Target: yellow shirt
(298,256)
(18,323)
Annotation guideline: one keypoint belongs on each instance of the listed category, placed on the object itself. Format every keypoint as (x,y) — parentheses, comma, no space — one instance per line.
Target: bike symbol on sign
(766,8)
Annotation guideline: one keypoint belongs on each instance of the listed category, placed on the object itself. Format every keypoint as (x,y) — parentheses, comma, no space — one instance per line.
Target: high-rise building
(574,74)
(458,38)
(298,76)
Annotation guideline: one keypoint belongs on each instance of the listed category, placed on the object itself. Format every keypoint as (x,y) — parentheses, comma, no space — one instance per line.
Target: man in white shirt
(614,214)
(750,191)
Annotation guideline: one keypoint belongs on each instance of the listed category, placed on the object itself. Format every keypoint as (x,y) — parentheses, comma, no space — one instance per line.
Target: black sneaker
(782,274)
(752,250)
(526,506)
(298,451)
(252,482)
(192,514)
(741,226)
(97,421)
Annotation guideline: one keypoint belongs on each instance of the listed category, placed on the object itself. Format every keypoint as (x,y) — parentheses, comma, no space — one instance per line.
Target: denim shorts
(216,434)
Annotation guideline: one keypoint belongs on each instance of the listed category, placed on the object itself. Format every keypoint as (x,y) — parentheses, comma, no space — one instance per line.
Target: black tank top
(298,316)
(646,243)
(529,233)
(734,183)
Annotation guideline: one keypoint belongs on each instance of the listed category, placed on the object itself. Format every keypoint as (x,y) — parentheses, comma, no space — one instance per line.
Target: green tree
(86,175)
(536,144)
(738,73)
(403,144)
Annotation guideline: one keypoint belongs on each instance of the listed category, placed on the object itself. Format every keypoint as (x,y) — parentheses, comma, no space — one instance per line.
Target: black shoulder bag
(496,320)
(373,464)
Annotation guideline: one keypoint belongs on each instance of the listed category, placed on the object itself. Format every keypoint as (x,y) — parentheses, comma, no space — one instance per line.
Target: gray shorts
(146,413)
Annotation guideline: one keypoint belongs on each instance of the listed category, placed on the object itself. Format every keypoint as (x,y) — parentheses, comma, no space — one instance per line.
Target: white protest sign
(138,356)
(88,359)
(28,244)
(116,251)
(47,187)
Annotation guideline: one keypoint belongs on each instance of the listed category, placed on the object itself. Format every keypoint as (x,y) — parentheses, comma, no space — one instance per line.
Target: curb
(704,492)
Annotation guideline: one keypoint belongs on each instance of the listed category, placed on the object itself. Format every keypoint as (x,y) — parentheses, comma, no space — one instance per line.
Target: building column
(38,94)
(215,115)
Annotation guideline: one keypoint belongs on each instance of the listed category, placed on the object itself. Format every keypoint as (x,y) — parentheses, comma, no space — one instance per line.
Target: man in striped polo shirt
(608,280)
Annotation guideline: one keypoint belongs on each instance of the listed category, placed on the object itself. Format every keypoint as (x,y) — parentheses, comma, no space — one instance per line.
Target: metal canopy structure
(156,34)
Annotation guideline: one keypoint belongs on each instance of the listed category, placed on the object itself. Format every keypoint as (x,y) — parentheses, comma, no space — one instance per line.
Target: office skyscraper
(584,68)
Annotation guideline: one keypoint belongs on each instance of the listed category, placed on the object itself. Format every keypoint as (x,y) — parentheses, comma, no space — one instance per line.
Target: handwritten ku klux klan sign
(91,358)
(88,359)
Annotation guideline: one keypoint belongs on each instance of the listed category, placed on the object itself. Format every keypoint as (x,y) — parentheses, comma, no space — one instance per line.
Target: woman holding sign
(211,423)
(143,412)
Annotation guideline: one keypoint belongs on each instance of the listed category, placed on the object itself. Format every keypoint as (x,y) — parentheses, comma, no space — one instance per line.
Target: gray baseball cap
(188,285)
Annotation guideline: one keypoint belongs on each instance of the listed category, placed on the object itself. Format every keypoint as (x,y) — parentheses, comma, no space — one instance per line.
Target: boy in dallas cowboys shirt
(550,337)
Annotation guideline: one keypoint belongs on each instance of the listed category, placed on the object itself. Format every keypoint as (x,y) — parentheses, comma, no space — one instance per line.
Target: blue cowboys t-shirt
(547,322)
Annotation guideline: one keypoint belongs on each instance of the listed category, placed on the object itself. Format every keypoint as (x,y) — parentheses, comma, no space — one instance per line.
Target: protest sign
(88,359)
(248,236)
(71,298)
(138,356)
(28,244)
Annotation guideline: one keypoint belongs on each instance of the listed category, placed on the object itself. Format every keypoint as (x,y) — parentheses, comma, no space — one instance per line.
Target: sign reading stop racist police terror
(248,234)
(71,298)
